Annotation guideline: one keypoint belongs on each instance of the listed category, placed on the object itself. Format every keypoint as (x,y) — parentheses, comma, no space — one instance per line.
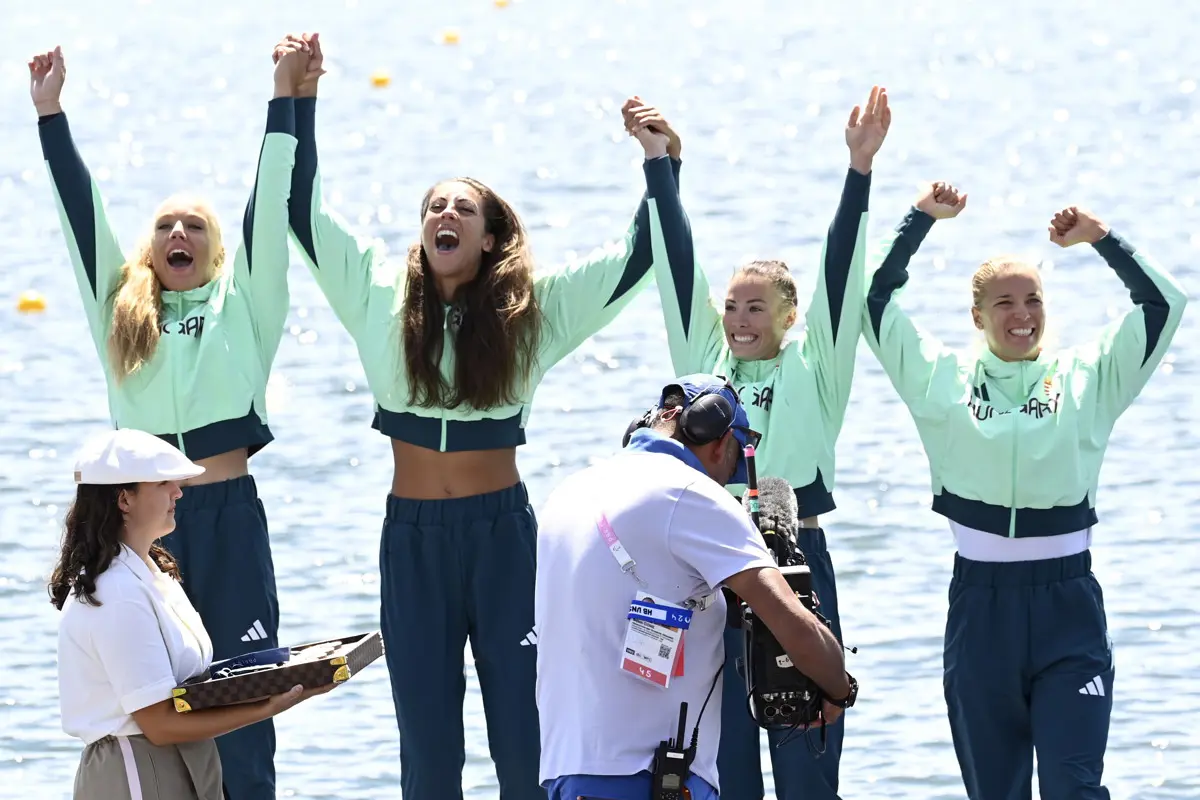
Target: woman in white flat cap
(129,635)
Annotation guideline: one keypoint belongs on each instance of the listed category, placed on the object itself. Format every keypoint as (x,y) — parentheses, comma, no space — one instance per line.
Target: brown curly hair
(92,540)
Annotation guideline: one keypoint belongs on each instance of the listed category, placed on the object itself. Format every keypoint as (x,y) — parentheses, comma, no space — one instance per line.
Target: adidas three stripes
(221,544)
(455,570)
(1029,665)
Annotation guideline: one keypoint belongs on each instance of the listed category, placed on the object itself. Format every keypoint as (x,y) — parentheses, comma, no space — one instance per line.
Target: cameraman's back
(686,534)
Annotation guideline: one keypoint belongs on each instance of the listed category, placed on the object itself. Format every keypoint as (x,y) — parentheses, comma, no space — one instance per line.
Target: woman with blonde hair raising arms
(454,341)
(186,340)
(1015,437)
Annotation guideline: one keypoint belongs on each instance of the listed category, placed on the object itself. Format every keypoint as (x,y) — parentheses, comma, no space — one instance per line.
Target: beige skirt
(131,768)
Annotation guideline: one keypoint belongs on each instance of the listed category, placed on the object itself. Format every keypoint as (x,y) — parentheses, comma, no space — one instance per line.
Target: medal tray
(310,665)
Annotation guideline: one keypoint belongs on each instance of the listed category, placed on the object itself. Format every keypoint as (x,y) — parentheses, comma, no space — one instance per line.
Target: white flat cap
(131,456)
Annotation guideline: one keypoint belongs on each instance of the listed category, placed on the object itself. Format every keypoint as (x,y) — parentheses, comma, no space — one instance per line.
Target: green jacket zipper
(1016,413)
(173,356)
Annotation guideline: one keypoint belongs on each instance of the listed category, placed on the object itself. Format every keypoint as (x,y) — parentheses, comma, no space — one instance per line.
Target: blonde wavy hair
(137,297)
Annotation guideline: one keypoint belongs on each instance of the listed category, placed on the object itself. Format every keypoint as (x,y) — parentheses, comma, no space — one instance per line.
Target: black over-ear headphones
(707,419)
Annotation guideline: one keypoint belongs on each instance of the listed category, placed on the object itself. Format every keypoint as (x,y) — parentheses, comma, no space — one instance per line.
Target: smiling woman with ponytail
(187,340)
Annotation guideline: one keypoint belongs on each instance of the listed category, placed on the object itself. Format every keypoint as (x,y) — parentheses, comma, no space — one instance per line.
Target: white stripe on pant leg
(131,771)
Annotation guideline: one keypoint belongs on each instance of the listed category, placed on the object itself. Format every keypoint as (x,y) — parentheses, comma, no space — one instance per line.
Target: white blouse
(127,653)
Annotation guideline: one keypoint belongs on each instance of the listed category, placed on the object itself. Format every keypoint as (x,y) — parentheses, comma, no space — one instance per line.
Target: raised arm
(833,321)
(581,298)
(1130,349)
(342,263)
(94,252)
(912,358)
(261,268)
(693,321)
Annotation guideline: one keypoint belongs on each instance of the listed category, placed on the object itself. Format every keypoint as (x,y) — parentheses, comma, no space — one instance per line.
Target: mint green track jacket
(204,390)
(366,292)
(796,400)
(1015,448)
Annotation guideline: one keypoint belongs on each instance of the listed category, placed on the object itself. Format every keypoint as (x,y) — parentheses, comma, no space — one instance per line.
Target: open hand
(648,126)
(278,703)
(867,128)
(1073,225)
(638,115)
(47,73)
(940,200)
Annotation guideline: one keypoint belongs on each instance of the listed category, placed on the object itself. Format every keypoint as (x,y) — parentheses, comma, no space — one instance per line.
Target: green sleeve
(834,318)
(1130,349)
(262,265)
(93,248)
(919,366)
(583,297)
(341,262)
(693,321)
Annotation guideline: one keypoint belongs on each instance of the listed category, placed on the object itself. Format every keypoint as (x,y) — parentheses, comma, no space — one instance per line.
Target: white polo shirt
(127,653)
(687,535)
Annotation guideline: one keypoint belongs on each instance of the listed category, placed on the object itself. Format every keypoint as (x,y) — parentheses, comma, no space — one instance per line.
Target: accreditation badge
(653,649)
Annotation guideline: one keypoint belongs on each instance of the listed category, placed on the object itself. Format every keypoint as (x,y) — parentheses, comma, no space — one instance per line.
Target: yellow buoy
(380,79)
(450,36)
(501,3)
(30,301)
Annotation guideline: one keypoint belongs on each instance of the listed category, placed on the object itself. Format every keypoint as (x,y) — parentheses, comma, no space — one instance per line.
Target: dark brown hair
(92,540)
(497,340)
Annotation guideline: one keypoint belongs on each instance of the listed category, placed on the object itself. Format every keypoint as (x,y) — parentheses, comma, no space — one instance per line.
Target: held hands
(303,81)
(865,133)
(940,200)
(291,64)
(651,129)
(1073,225)
(47,72)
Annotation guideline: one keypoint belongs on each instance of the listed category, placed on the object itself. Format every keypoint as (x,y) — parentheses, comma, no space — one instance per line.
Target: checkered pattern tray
(310,665)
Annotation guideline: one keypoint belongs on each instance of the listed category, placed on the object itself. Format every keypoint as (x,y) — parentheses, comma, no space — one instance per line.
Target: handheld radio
(672,765)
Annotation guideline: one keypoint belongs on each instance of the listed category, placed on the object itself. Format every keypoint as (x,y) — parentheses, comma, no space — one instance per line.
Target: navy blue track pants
(1029,666)
(223,549)
(453,570)
(801,768)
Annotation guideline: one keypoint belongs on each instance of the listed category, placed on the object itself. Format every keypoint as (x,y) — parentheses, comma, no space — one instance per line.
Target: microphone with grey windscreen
(778,518)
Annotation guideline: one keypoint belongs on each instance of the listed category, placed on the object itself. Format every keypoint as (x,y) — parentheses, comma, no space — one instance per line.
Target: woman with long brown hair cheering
(454,342)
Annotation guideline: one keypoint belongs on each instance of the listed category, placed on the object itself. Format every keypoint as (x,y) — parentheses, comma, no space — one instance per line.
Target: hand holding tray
(247,678)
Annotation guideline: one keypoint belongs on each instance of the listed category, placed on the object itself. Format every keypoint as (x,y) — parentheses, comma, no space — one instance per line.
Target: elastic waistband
(811,540)
(457,509)
(113,740)
(218,495)
(1022,573)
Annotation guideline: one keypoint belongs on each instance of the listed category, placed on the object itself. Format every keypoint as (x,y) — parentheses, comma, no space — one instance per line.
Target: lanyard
(624,560)
(627,564)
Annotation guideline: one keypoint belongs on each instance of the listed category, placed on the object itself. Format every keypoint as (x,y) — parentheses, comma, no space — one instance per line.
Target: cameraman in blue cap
(632,555)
